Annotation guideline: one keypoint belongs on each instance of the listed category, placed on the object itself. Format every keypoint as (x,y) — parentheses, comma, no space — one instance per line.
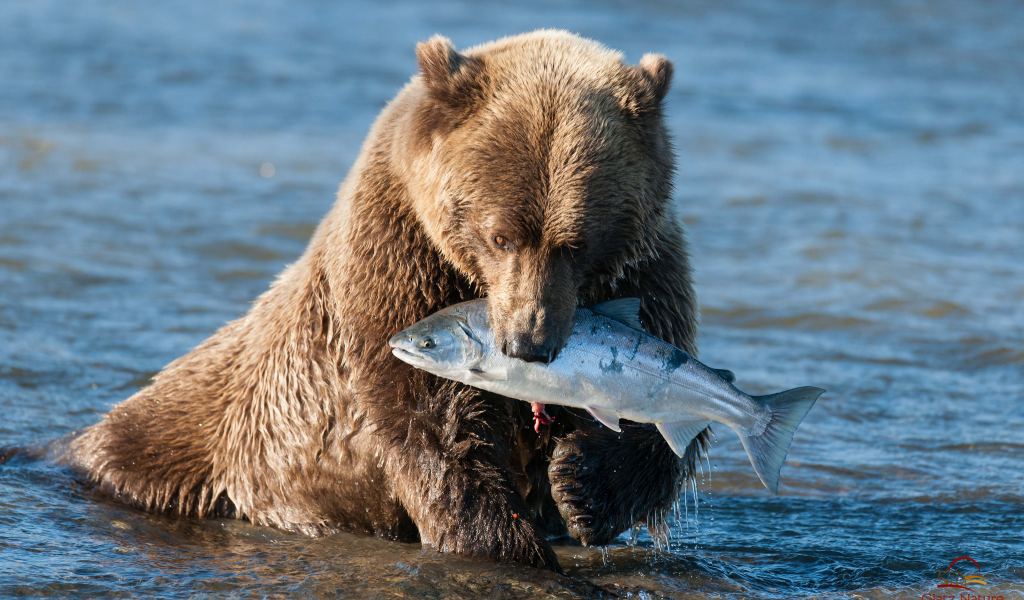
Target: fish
(610,367)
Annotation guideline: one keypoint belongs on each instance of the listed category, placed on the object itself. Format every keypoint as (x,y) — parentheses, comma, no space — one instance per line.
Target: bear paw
(581,492)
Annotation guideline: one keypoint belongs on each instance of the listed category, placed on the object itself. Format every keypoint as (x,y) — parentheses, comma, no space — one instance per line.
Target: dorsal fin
(623,310)
(725,374)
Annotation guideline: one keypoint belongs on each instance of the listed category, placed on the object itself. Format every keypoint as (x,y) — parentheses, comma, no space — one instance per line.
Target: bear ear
(450,75)
(657,71)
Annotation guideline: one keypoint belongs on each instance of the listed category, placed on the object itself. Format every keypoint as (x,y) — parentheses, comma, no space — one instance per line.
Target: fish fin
(501,375)
(679,434)
(623,310)
(607,418)
(768,450)
(725,374)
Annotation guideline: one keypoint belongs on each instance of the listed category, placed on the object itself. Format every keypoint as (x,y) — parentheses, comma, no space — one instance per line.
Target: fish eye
(426,343)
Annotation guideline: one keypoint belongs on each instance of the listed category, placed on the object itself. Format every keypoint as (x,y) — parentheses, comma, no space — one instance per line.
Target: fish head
(441,344)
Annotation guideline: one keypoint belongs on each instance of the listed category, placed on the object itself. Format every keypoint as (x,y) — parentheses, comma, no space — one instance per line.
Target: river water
(851,175)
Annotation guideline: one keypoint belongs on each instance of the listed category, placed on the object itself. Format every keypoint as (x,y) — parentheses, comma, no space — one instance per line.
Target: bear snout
(529,351)
(536,334)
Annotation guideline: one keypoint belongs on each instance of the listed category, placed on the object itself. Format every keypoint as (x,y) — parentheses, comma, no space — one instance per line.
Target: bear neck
(372,264)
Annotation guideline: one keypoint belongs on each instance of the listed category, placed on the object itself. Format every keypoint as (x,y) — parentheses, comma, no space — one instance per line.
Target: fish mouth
(404,354)
(406,350)
(413,358)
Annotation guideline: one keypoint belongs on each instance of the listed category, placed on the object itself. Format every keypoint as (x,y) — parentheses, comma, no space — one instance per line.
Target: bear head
(542,172)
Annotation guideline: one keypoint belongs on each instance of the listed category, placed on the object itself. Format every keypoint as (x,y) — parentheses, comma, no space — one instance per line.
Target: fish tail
(768,450)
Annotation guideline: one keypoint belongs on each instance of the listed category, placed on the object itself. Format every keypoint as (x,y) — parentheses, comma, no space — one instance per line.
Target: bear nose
(529,351)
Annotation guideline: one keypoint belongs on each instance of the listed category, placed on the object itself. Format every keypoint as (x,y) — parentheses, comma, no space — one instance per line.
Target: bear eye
(501,241)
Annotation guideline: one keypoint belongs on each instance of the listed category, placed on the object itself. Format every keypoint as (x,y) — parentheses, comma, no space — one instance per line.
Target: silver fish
(613,370)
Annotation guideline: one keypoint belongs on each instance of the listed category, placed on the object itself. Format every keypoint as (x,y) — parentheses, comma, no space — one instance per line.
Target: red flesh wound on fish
(540,417)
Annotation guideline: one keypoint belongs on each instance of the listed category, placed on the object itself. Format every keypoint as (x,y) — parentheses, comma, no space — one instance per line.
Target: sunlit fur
(297,415)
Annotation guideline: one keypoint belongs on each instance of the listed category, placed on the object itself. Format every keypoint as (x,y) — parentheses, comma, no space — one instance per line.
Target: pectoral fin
(679,434)
(608,419)
(490,375)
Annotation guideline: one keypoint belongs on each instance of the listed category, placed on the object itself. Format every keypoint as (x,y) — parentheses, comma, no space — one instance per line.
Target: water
(852,180)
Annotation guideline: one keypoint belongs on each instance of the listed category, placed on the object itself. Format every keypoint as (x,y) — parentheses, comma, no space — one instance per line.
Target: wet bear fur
(534,170)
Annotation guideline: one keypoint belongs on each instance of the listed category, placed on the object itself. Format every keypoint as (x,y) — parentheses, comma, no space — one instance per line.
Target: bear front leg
(470,507)
(449,469)
(603,482)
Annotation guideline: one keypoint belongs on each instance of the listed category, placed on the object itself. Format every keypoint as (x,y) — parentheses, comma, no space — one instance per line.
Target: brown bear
(534,170)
